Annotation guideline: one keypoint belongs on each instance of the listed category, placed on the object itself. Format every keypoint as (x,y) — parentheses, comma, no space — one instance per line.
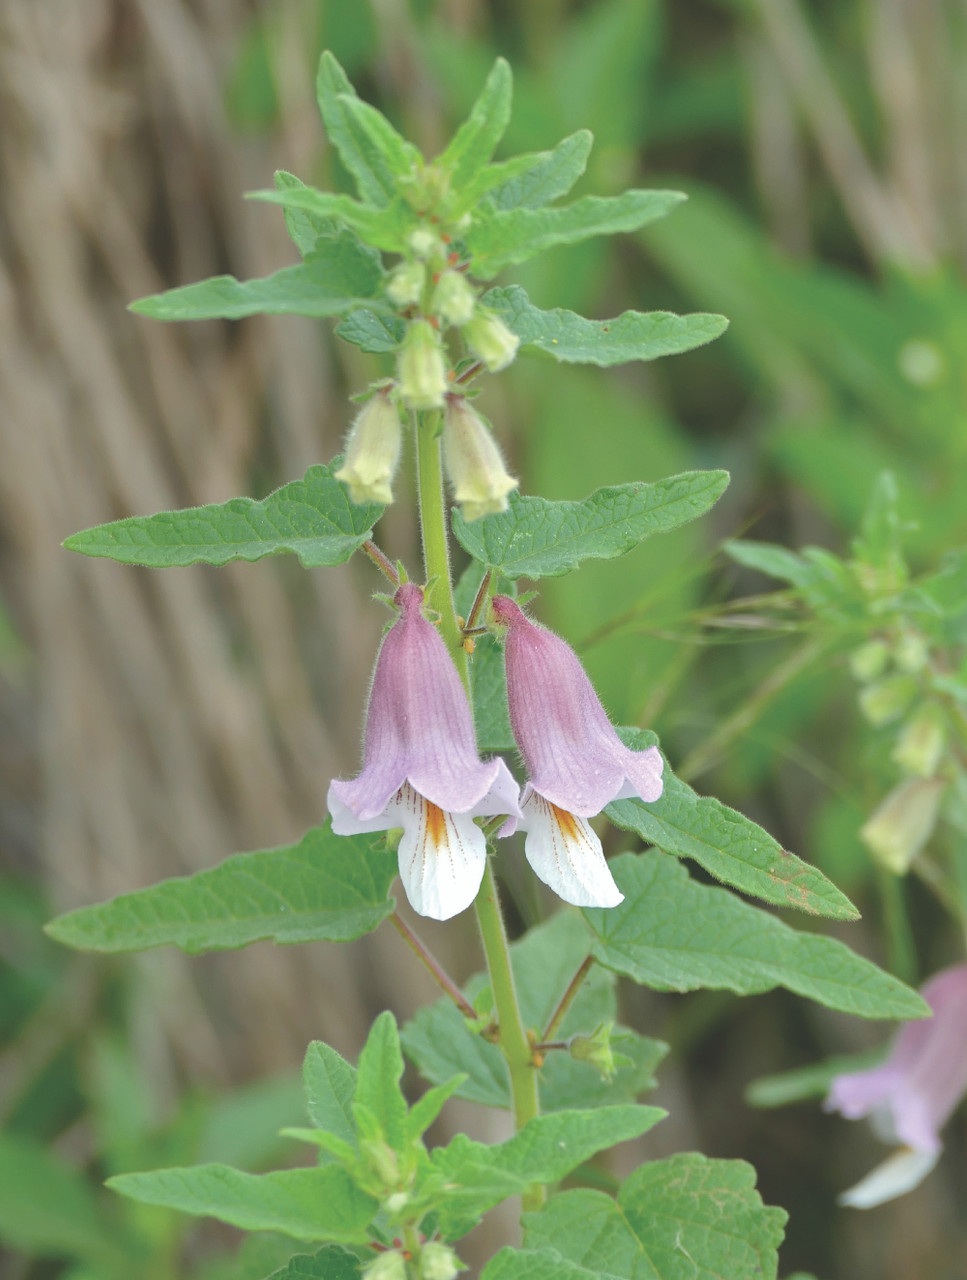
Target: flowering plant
(465,673)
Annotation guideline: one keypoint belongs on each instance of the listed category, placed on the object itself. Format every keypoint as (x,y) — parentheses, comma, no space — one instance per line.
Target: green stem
(433,527)
(512,1037)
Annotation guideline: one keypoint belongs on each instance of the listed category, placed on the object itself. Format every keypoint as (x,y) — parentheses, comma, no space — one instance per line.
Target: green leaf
(332,1262)
(382,228)
(304,229)
(337,275)
(571,339)
(397,155)
(772,560)
(372,332)
(329,1083)
(675,935)
(363,159)
(488,685)
(440,1043)
(684,1218)
(727,844)
(378,1076)
(808,1082)
(538,538)
(505,237)
(535,1264)
(326,887)
(46,1207)
(313,518)
(553,175)
(476,140)
(423,1113)
(310,1204)
(545,1150)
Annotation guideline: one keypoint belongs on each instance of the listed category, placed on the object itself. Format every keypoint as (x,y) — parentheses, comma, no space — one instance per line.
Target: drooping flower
(576,762)
(372,451)
(490,340)
(903,822)
(473,462)
(421,770)
(421,367)
(911,1095)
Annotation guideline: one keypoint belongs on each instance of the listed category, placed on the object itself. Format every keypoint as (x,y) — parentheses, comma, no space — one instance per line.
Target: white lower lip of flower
(566,854)
(903,1171)
(442,856)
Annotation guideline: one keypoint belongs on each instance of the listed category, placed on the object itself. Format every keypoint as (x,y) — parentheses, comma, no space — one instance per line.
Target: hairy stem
(436,969)
(382,561)
(573,987)
(512,1037)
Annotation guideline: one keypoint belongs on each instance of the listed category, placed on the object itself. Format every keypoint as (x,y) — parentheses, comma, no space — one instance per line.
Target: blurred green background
(151,724)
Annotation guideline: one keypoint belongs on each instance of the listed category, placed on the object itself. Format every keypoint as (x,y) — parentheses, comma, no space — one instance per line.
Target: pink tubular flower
(911,1096)
(421,770)
(576,762)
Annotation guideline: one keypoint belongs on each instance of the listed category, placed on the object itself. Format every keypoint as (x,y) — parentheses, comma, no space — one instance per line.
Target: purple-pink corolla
(576,762)
(421,770)
(912,1094)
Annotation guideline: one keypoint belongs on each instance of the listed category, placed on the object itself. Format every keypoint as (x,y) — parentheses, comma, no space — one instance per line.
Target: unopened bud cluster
(895,692)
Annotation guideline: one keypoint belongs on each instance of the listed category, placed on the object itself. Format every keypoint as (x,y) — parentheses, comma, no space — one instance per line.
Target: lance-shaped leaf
(329,1082)
(363,158)
(684,1217)
(332,1262)
(326,887)
(504,237)
(378,1078)
(488,688)
(476,140)
(551,176)
(571,339)
(337,275)
(371,331)
(537,538)
(727,844)
(675,935)
(383,228)
(397,155)
(304,229)
(312,518)
(309,1204)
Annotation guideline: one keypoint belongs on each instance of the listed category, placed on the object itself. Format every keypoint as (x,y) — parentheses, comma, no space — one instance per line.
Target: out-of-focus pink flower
(910,1096)
(421,770)
(576,762)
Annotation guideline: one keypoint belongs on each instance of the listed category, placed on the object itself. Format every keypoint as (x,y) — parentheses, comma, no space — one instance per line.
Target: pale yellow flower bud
(439,1262)
(389,1265)
(421,367)
(453,298)
(372,451)
(921,742)
(490,340)
(869,661)
(903,823)
(473,462)
(887,699)
(405,285)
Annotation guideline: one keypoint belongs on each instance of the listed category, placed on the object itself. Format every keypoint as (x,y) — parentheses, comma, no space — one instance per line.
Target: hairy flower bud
(869,661)
(921,742)
(424,242)
(421,368)
(887,699)
(405,285)
(439,1262)
(372,451)
(453,298)
(903,823)
(490,340)
(473,462)
(389,1265)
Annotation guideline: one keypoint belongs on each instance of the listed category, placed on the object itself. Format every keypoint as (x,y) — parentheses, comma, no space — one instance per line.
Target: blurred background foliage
(153,723)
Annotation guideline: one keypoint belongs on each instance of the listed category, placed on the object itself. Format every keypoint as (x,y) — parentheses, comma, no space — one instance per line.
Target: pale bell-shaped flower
(473,462)
(576,762)
(920,746)
(490,340)
(453,299)
(405,286)
(421,367)
(439,1262)
(903,822)
(911,1095)
(421,770)
(372,451)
